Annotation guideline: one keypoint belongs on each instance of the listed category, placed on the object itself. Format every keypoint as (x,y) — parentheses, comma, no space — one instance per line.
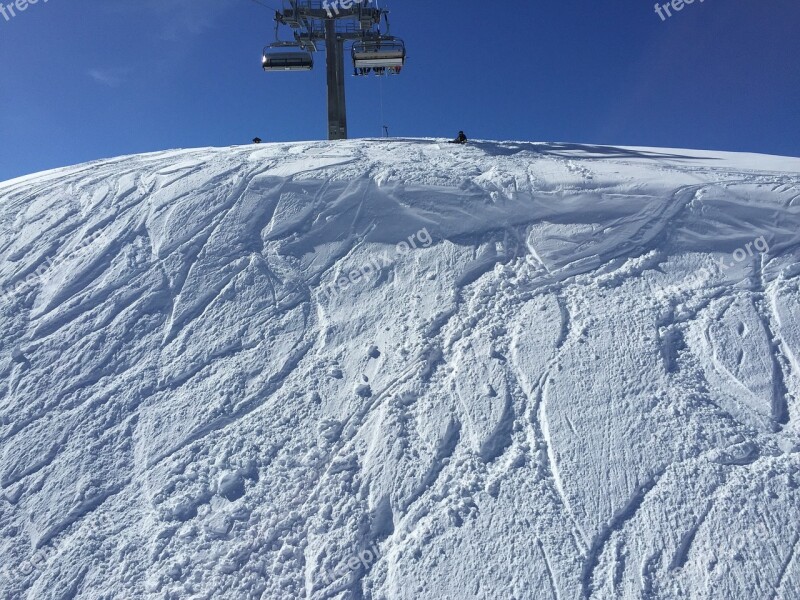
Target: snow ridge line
(549,570)
(682,553)
(272,385)
(541,416)
(616,523)
(776,588)
(540,425)
(349,431)
(175,322)
(352,426)
(780,392)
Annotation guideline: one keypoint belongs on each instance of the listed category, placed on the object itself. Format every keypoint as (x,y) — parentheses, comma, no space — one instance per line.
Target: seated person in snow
(461,139)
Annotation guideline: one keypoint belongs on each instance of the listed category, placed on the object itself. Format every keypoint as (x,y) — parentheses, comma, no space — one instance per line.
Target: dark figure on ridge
(461,139)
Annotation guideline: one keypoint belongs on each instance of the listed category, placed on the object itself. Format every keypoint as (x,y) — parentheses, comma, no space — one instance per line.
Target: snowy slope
(402,370)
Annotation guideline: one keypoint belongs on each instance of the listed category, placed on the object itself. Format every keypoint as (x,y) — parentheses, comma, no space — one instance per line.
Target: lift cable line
(272,8)
(316,25)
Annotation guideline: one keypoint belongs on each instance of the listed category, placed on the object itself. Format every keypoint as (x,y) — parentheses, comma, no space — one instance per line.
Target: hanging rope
(380,93)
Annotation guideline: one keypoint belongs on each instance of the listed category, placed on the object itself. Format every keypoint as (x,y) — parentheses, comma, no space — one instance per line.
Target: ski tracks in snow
(195,232)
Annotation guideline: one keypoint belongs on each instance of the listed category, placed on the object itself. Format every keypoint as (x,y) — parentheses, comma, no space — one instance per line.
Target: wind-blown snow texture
(583,384)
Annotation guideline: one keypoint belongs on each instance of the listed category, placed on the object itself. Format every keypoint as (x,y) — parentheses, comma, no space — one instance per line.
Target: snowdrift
(402,370)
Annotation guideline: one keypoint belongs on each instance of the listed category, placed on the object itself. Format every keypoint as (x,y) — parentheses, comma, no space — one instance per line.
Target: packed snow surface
(402,369)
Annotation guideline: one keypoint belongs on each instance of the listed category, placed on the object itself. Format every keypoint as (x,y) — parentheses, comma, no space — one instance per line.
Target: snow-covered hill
(402,370)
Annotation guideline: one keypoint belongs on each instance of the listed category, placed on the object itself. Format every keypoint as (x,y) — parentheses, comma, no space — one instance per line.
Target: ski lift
(278,58)
(380,55)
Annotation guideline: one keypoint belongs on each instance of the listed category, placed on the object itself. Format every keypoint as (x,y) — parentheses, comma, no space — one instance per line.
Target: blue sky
(87,79)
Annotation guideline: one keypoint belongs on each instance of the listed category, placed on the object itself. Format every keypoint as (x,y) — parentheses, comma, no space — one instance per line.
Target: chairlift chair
(278,58)
(379,55)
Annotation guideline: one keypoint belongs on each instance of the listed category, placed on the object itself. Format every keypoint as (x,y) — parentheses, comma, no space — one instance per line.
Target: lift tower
(331,24)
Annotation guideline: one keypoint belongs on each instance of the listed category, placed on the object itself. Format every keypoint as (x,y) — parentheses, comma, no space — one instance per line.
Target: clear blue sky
(86,79)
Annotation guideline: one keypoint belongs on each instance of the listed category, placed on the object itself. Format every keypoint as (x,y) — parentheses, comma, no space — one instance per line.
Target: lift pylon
(328,24)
